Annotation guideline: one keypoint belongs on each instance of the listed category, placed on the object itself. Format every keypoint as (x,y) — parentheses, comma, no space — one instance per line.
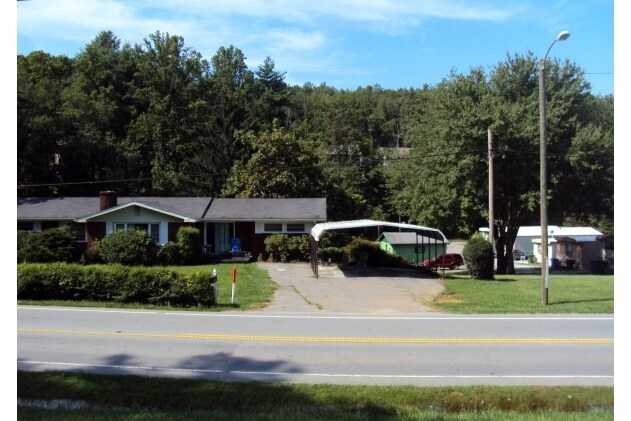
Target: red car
(449,260)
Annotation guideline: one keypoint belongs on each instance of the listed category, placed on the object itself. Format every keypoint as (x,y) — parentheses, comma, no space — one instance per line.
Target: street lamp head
(563,36)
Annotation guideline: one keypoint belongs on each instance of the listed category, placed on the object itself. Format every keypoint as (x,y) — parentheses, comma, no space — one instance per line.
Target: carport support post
(417,250)
(314,256)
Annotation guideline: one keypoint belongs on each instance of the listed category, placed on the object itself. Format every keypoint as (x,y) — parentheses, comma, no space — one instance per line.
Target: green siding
(407,251)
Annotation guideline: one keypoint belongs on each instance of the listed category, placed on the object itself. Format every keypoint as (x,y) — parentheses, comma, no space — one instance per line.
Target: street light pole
(545,274)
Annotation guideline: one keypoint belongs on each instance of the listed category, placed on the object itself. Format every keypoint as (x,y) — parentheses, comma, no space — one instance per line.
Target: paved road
(361,326)
(359,291)
(423,349)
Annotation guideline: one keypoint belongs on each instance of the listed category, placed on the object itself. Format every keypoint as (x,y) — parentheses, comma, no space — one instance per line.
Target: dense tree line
(156,118)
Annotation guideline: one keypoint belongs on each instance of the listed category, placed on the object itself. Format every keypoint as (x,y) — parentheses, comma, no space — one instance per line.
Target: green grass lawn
(98,397)
(522,294)
(579,293)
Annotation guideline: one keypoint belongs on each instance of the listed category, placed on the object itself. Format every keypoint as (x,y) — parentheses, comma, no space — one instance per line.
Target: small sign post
(234,282)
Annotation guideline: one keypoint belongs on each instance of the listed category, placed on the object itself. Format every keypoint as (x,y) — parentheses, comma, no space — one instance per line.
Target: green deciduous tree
(41,127)
(446,179)
(170,88)
(98,107)
(588,196)
(440,181)
(278,165)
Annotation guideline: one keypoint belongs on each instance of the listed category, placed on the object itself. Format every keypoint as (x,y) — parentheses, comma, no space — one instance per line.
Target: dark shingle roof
(56,208)
(70,208)
(313,209)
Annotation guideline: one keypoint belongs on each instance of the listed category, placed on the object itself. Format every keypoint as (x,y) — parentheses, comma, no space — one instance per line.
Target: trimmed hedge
(118,283)
(285,248)
(336,254)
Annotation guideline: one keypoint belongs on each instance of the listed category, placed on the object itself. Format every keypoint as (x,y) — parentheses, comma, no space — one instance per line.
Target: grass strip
(136,397)
(581,294)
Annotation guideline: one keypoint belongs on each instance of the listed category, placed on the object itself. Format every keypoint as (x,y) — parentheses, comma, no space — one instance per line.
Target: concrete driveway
(369,290)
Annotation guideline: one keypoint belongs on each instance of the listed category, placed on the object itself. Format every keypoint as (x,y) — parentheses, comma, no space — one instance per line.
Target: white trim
(162,231)
(139,204)
(259,226)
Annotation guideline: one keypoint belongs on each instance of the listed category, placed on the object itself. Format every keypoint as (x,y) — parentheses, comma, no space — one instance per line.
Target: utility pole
(543,172)
(491,216)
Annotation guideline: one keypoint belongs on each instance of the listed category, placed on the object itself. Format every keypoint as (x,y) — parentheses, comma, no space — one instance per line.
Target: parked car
(448,260)
(519,255)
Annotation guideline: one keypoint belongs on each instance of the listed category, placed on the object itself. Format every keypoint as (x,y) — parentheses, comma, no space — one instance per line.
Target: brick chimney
(108,199)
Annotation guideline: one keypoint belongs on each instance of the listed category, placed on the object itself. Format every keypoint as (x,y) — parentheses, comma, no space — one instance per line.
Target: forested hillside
(157,118)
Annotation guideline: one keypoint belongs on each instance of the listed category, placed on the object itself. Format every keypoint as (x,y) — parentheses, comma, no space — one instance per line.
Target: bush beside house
(51,245)
(285,248)
(130,248)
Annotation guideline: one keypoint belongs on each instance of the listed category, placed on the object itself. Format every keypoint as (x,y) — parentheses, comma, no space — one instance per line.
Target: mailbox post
(213,287)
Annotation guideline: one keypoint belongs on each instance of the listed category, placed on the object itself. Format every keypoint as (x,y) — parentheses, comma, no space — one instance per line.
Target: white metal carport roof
(318,229)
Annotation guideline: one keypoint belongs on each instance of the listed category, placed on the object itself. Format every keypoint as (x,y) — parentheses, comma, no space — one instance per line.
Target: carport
(428,236)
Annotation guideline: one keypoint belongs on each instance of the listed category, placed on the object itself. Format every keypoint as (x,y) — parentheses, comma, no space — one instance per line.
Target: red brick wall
(245,231)
(96,231)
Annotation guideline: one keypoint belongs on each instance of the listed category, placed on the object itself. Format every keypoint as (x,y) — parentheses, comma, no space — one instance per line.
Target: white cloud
(294,39)
(81,20)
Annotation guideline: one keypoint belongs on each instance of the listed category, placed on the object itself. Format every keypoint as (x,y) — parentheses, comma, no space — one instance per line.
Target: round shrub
(478,256)
(130,248)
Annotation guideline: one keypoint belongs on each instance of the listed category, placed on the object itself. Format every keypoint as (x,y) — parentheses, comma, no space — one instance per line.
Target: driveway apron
(362,290)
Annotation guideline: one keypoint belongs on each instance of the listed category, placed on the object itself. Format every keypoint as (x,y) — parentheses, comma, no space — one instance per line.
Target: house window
(273,227)
(25,226)
(79,231)
(569,249)
(153,230)
(295,227)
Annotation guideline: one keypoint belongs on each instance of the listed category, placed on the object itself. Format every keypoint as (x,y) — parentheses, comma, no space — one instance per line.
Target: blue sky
(343,43)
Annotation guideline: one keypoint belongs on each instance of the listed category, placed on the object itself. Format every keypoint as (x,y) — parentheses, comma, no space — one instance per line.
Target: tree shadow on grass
(382,272)
(207,382)
(578,301)
(502,280)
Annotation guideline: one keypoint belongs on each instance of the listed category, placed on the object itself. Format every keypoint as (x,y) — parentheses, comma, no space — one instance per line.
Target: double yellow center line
(317,339)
